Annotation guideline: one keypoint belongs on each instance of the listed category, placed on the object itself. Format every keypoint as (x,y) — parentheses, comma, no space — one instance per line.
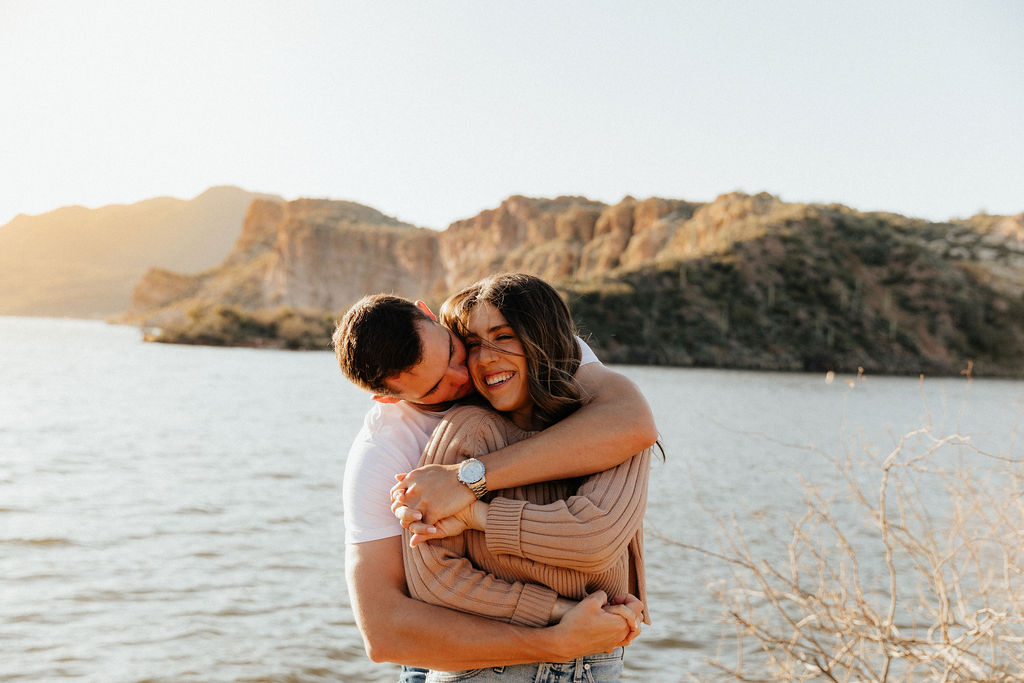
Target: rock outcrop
(543,236)
(307,254)
(743,281)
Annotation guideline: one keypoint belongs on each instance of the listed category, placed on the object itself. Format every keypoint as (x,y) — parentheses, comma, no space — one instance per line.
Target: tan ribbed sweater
(567,537)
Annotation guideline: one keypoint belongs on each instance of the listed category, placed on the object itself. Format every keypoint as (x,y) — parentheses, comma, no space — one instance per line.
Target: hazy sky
(434,111)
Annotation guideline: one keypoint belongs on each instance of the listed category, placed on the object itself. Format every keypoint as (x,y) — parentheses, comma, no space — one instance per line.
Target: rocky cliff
(308,254)
(564,239)
(743,281)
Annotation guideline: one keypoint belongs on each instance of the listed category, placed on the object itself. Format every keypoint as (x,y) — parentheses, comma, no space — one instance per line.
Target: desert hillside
(745,281)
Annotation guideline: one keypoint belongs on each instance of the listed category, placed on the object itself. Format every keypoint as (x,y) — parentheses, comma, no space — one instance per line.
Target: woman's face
(497,365)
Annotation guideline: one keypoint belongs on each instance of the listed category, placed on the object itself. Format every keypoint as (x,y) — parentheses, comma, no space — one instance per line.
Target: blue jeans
(412,674)
(599,668)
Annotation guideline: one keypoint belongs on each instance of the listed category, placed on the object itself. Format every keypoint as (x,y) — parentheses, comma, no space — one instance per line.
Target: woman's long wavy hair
(545,329)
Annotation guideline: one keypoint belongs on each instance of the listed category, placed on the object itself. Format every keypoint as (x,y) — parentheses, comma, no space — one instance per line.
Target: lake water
(173,513)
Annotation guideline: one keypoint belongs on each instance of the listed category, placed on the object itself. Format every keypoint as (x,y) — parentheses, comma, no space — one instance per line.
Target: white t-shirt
(391,441)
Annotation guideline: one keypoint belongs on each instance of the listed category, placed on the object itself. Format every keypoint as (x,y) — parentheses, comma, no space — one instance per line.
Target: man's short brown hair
(378,338)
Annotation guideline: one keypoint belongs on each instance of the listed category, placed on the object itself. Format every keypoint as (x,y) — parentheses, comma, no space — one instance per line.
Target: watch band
(479,488)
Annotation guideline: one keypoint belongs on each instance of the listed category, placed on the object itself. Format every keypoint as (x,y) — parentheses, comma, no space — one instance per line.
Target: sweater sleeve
(588,532)
(437,571)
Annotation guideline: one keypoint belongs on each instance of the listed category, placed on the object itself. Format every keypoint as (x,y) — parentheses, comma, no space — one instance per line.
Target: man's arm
(397,628)
(616,424)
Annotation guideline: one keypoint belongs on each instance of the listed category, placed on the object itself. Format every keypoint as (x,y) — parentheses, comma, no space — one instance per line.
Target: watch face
(471,471)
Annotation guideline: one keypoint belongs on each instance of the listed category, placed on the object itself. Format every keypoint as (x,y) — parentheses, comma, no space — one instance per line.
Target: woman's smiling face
(497,364)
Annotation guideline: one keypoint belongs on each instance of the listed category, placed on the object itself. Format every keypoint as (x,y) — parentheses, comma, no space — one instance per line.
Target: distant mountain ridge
(81,262)
(745,281)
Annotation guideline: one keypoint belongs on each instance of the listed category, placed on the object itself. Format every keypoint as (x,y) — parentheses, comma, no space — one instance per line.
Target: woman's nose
(486,353)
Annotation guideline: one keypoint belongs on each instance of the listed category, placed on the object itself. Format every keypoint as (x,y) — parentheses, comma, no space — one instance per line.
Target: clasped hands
(432,503)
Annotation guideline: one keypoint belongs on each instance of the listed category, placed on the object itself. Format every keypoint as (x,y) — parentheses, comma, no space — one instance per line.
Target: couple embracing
(511,547)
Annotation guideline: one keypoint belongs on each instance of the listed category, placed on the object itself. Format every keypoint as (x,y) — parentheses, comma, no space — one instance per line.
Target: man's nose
(458,374)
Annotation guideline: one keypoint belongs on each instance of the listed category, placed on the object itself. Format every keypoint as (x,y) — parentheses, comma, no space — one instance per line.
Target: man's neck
(431,407)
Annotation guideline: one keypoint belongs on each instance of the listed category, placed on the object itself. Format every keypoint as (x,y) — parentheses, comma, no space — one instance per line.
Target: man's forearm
(432,637)
(614,426)
(397,628)
(420,634)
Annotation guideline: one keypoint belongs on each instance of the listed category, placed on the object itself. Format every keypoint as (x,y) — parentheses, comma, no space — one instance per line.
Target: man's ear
(426,309)
(385,399)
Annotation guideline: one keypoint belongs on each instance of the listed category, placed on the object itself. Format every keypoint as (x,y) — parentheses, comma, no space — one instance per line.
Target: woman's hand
(434,490)
(473,516)
(449,526)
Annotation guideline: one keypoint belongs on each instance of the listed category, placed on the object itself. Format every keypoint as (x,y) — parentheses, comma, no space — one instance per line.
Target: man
(415,369)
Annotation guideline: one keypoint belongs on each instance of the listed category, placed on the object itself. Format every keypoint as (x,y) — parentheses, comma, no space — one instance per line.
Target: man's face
(441,376)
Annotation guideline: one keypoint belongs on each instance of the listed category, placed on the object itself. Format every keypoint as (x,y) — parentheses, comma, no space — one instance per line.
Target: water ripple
(39,542)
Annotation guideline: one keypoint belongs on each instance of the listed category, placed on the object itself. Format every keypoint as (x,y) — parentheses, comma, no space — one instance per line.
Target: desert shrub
(930,587)
(298,330)
(213,324)
(284,327)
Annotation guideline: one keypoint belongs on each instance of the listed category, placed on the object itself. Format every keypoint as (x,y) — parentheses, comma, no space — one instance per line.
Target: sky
(435,111)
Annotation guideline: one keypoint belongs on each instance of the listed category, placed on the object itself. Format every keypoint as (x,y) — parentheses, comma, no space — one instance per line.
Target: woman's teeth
(498,378)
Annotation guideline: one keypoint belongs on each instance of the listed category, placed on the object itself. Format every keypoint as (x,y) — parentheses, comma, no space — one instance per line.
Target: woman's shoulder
(473,408)
(472,414)
(475,423)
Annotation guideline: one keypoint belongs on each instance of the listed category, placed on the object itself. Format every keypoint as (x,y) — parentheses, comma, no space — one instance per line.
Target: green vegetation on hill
(835,290)
(281,328)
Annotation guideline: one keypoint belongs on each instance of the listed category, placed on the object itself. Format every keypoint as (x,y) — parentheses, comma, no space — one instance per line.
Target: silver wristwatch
(471,473)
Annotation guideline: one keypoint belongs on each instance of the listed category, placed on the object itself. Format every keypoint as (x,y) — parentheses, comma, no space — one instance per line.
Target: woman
(526,555)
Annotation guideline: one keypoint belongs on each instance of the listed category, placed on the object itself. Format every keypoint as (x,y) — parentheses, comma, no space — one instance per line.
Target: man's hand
(595,625)
(632,610)
(433,490)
